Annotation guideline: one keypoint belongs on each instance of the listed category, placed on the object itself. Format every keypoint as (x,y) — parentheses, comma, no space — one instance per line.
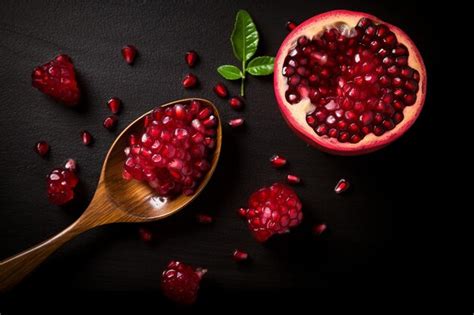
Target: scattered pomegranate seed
(236,103)
(293,179)
(145,234)
(240,255)
(242,212)
(204,218)
(110,122)
(86,137)
(191,58)
(273,210)
(60,186)
(71,165)
(114,105)
(42,148)
(236,122)
(189,81)
(278,161)
(180,282)
(319,229)
(129,52)
(290,25)
(341,186)
(221,90)
(57,79)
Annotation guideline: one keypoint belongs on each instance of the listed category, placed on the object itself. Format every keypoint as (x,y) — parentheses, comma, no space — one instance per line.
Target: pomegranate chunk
(180,282)
(174,151)
(273,210)
(60,185)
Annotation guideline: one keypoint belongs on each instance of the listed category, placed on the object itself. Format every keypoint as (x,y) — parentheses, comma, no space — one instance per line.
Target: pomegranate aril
(42,148)
(114,105)
(240,255)
(191,58)
(128,53)
(86,137)
(110,122)
(204,218)
(278,161)
(190,81)
(71,165)
(293,179)
(242,212)
(319,229)
(290,25)
(145,234)
(341,186)
(236,122)
(236,103)
(221,90)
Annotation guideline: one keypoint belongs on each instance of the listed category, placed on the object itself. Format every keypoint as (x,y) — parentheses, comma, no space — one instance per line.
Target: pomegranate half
(349,83)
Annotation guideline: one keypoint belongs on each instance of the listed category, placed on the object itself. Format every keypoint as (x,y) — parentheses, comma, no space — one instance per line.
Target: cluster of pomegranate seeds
(293,179)
(110,122)
(341,186)
(240,255)
(236,103)
(129,53)
(204,219)
(221,90)
(86,137)
(71,165)
(191,58)
(60,185)
(358,79)
(190,81)
(319,229)
(273,210)
(278,161)
(180,282)
(42,148)
(173,153)
(236,122)
(145,234)
(114,105)
(290,25)
(57,79)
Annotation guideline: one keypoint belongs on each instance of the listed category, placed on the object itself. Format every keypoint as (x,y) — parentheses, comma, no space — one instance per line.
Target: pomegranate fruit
(174,151)
(349,83)
(273,210)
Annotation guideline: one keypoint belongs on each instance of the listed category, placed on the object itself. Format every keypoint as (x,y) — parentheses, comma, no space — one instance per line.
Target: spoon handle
(15,268)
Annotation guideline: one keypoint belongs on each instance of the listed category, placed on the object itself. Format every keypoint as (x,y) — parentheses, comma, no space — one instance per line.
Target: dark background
(374,240)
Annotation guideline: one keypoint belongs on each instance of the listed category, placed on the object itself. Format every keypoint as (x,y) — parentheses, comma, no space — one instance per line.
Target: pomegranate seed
(278,161)
(114,105)
(110,122)
(42,148)
(204,218)
(341,186)
(191,58)
(190,81)
(242,212)
(86,137)
(319,229)
(221,90)
(129,52)
(236,103)
(290,25)
(236,122)
(240,255)
(145,234)
(293,179)
(71,165)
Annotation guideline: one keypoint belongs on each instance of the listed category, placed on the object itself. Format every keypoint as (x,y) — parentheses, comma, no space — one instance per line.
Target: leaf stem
(242,89)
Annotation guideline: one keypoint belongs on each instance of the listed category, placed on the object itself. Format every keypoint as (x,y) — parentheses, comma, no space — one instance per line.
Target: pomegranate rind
(295,114)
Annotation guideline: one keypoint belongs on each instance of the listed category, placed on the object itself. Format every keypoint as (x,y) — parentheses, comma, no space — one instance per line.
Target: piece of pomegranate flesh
(348,83)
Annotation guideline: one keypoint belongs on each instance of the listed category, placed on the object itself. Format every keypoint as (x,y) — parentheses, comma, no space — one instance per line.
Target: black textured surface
(371,241)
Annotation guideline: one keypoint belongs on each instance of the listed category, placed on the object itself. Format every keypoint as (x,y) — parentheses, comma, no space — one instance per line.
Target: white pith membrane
(295,114)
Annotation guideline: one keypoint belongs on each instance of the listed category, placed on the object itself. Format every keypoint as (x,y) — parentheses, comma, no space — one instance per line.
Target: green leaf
(244,37)
(261,66)
(230,72)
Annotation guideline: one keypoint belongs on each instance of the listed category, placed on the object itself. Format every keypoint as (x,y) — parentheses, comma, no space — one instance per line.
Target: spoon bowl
(115,200)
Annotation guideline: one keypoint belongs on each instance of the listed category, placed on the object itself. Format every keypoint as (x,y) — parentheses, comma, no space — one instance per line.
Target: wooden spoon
(115,200)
